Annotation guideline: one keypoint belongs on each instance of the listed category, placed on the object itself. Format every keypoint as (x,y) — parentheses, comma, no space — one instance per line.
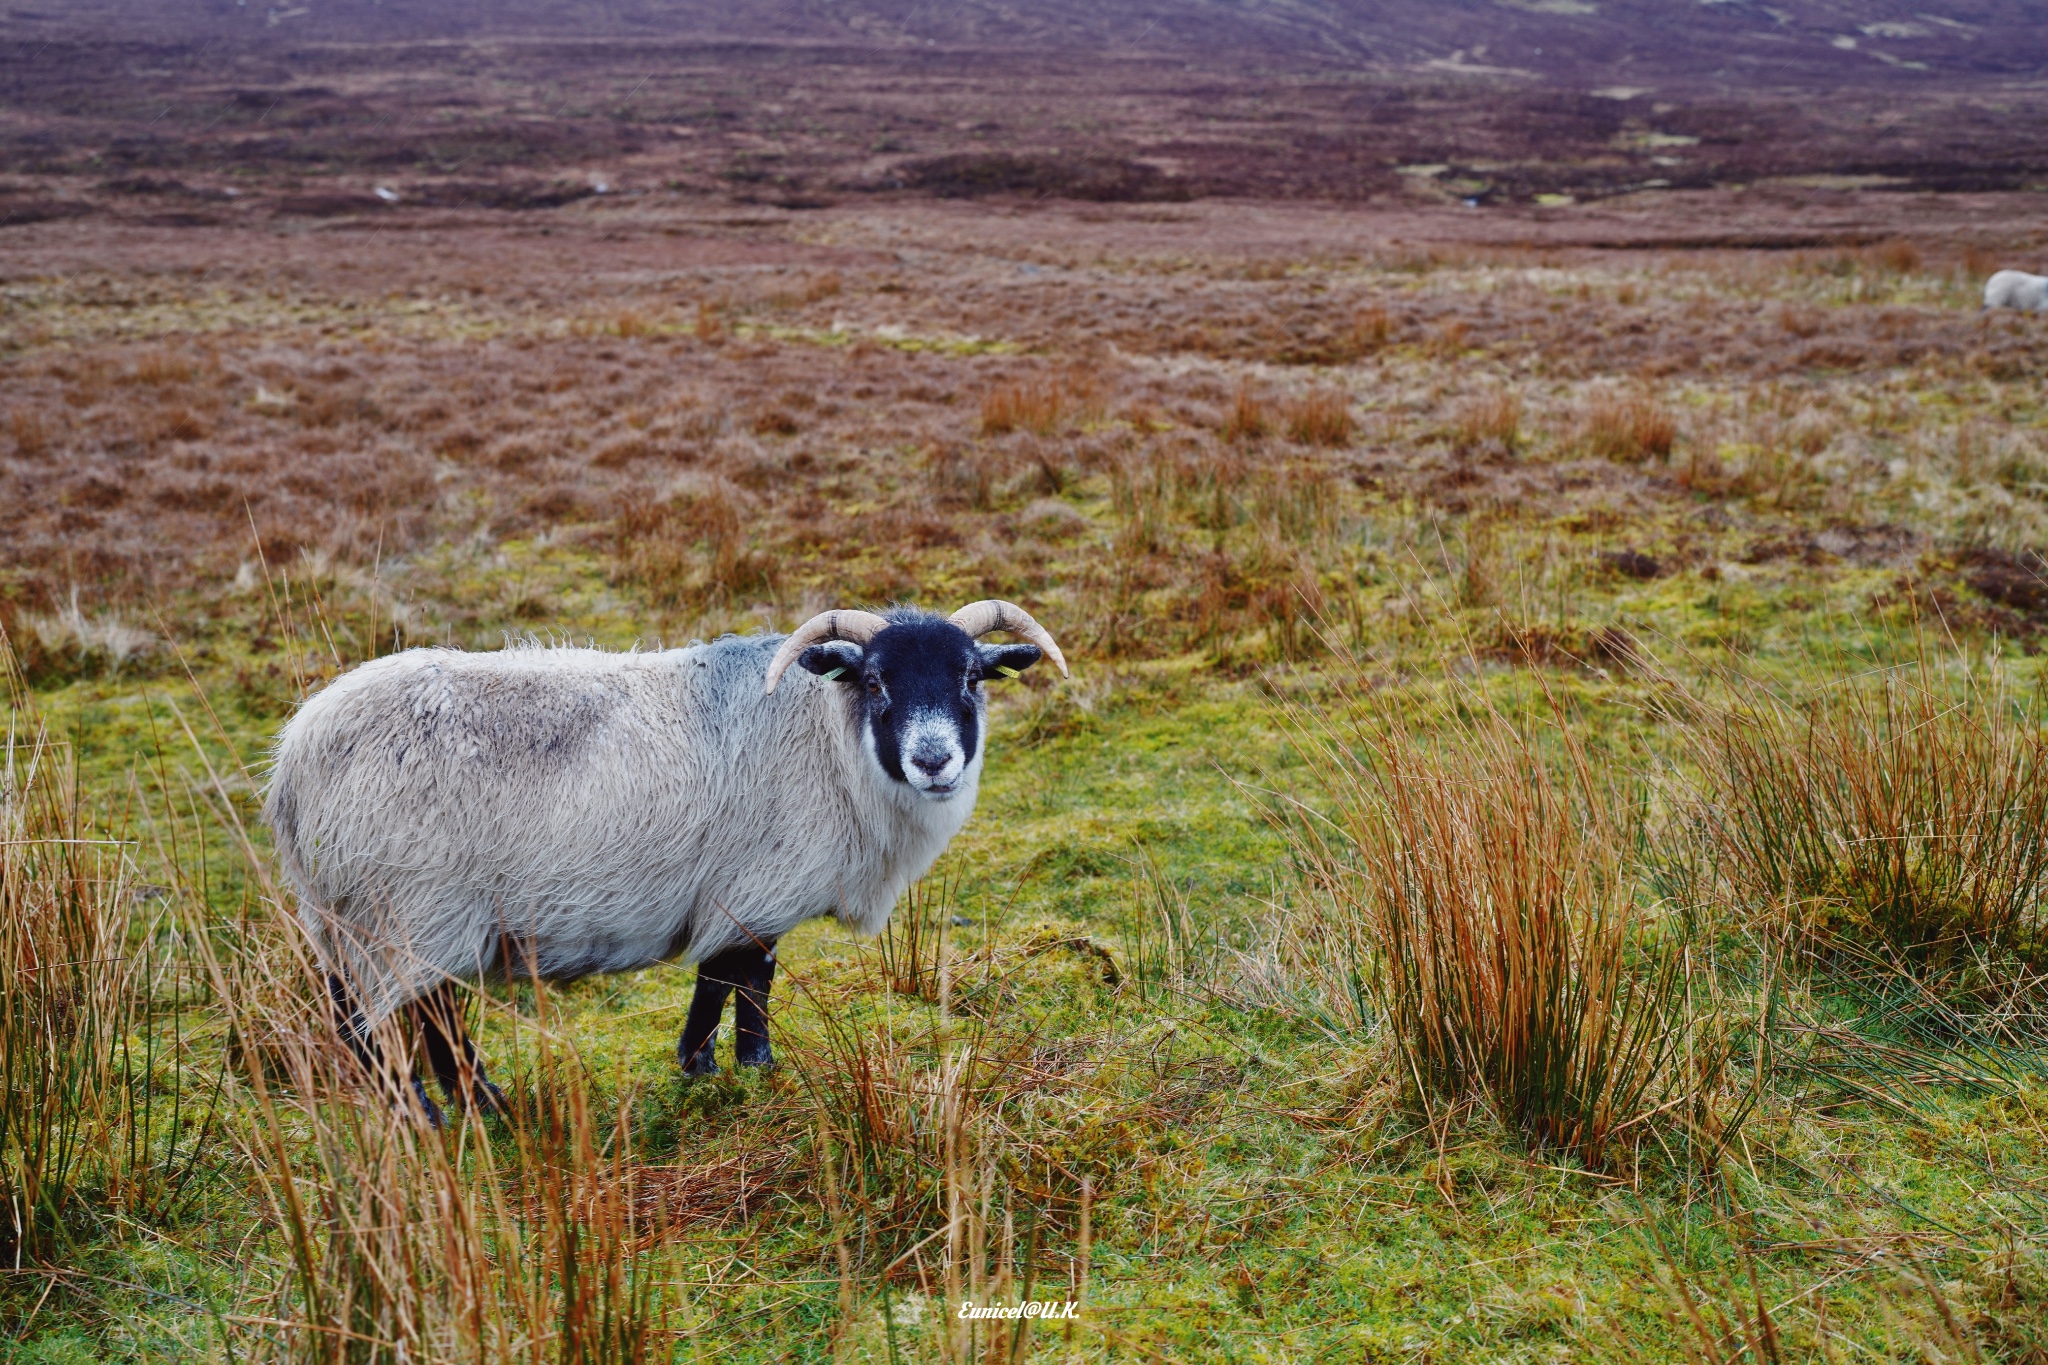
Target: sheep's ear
(1007,661)
(839,661)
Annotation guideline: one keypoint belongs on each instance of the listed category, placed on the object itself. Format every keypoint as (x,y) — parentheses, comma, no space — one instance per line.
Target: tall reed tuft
(535,1236)
(1250,417)
(532,1238)
(1489,422)
(67,995)
(913,946)
(1909,815)
(1162,950)
(1039,406)
(1630,428)
(925,1180)
(1482,903)
(1321,417)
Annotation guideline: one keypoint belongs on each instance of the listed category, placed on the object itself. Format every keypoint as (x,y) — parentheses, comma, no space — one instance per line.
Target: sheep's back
(585,808)
(2017,289)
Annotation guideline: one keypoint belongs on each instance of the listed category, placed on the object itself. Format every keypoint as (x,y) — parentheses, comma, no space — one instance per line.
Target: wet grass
(1124,1002)
(1422,720)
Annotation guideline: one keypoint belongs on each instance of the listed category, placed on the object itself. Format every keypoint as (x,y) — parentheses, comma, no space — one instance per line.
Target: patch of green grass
(894,339)
(1263,1189)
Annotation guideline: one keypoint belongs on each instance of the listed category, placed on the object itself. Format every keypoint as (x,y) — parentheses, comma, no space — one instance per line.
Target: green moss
(1264,1193)
(1265,1189)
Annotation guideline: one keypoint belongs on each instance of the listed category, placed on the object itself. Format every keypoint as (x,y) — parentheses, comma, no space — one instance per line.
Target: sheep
(2017,289)
(552,812)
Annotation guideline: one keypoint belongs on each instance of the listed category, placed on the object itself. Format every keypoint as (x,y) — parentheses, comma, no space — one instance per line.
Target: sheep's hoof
(704,1062)
(423,1108)
(752,1051)
(488,1099)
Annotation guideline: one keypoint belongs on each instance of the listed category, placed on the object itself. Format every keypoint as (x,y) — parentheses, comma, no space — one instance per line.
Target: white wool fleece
(2017,289)
(564,811)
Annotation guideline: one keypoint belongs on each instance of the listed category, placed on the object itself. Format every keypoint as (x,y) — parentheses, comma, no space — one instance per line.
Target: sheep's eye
(874,687)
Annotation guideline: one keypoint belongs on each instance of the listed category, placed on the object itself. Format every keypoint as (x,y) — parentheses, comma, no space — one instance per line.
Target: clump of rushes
(923,1176)
(1370,330)
(541,1236)
(1321,417)
(692,550)
(1483,906)
(1630,428)
(1909,815)
(67,997)
(901,1121)
(1249,418)
(913,946)
(1029,405)
(1490,421)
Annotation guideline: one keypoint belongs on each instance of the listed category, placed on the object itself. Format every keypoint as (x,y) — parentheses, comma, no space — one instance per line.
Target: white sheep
(2017,289)
(553,812)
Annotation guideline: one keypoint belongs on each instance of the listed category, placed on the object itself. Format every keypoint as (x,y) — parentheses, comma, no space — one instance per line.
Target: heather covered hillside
(1540,856)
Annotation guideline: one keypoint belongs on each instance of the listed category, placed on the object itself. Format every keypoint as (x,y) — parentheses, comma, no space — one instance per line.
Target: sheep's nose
(931,767)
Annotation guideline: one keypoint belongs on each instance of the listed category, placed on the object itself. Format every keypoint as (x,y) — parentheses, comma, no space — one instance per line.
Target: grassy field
(1540,858)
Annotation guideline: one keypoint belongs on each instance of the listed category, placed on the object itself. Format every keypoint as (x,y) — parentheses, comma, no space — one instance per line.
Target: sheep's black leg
(750,1008)
(716,976)
(450,1055)
(750,969)
(361,1038)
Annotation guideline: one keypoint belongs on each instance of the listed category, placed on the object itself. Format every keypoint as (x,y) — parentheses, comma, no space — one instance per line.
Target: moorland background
(1532,477)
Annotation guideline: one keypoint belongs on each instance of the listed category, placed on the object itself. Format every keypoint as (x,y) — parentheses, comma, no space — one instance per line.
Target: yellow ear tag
(833,676)
(1007,671)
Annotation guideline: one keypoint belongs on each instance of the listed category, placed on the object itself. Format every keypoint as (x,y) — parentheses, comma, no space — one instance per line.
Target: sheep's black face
(920,696)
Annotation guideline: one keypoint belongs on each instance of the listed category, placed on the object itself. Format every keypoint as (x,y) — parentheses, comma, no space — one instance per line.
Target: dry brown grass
(692,550)
(1488,422)
(1250,417)
(542,1237)
(1801,320)
(1978,262)
(1034,405)
(69,997)
(1908,814)
(1630,428)
(710,328)
(138,468)
(1479,583)
(31,432)
(1811,432)
(1371,330)
(1321,417)
(1899,256)
(1448,340)
(1484,902)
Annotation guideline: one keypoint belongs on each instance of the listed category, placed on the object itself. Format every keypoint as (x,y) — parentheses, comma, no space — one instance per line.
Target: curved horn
(857,626)
(979,618)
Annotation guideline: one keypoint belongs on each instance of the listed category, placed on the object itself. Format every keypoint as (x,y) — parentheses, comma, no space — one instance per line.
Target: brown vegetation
(1249,417)
(1902,816)
(1491,421)
(1490,899)
(1028,405)
(1321,417)
(68,1000)
(777,421)
(1630,427)
(774,328)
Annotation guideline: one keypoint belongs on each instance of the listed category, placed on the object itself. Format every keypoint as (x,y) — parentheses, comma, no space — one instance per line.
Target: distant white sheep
(2017,289)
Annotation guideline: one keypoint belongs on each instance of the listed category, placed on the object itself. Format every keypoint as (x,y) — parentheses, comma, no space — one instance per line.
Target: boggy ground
(1254,463)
